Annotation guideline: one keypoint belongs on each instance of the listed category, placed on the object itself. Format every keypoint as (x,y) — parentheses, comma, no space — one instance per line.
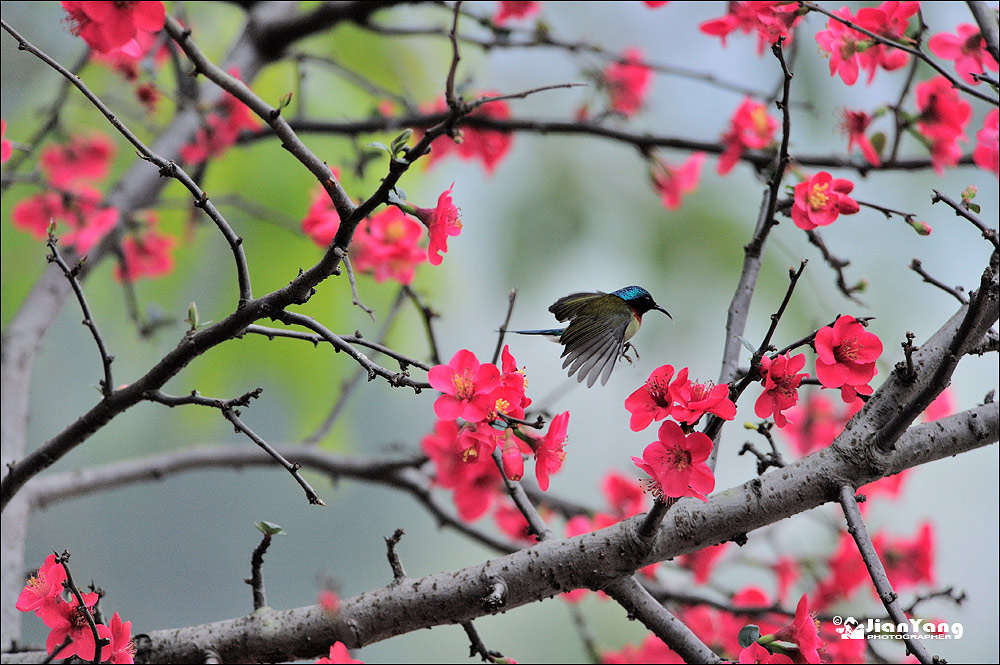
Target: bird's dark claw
(628,346)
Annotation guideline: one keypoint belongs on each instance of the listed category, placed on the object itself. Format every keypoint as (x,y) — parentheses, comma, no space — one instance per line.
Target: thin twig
(256,580)
(82,609)
(107,384)
(918,267)
(398,573)
(503,326)
(837,264)
(521,500)
(988,233)
(347,387)
(355,300)
(856,527)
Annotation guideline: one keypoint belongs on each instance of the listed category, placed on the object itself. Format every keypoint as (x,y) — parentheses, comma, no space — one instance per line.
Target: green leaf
(270,528)
(401,140)
(747,344)
(748,634)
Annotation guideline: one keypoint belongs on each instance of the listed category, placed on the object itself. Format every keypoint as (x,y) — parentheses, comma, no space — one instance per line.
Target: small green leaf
(878,142)
(270,528)
(380,146)
(747,344)
(748,634)
(401,140)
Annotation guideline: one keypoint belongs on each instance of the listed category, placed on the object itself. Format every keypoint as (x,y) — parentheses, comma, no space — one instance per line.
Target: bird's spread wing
(593,344)
(569,306)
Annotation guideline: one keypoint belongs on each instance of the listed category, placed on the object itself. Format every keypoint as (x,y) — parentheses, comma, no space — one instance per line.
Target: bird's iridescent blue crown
(632,293)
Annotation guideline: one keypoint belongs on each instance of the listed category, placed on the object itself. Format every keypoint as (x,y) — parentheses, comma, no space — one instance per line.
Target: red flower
(387,246)
(81,159)
(87,221)
(842,43)
(652,650)
(908,562)
(855,123)
(511,521)
(510,454)
(942,406)
(122,646)
(628,82)
(487,145)
(967,49)
(44,587)
(109,25)
(787,570)
(146,255)
(693,400)
(672,182)
(821,199)
(515,9)
(321,221)
(475,484)
(513,383)
(466,386)
(815,423)
(987,152)
(845,357)
(750,127)
(676,463)
(771,20)
(891,486)
(701,562)
(890,20)
(5,147)
(943,116)
(441,222)
(847,573)
(338,654)
(781,383)
(221,129)
(803,631)
(68,620)
(755,653)
(653,400)
(549,453)
(34,214)
(623,494)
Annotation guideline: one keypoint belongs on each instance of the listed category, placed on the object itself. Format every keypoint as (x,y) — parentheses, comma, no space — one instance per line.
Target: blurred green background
(560,214)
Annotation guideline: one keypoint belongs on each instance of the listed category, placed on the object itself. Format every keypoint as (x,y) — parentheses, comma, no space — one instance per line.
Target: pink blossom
(821,199)
(676,463)
(672,182)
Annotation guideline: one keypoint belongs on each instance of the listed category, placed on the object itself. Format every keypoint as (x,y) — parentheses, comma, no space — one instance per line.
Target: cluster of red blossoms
(675,462)
(909,562)
(71,202)
(489,400)
(221,129)
(111,26)
(388,244)
(67,620)
(846,355)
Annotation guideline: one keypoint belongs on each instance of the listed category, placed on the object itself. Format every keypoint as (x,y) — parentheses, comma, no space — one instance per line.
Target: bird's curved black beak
(660,309)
